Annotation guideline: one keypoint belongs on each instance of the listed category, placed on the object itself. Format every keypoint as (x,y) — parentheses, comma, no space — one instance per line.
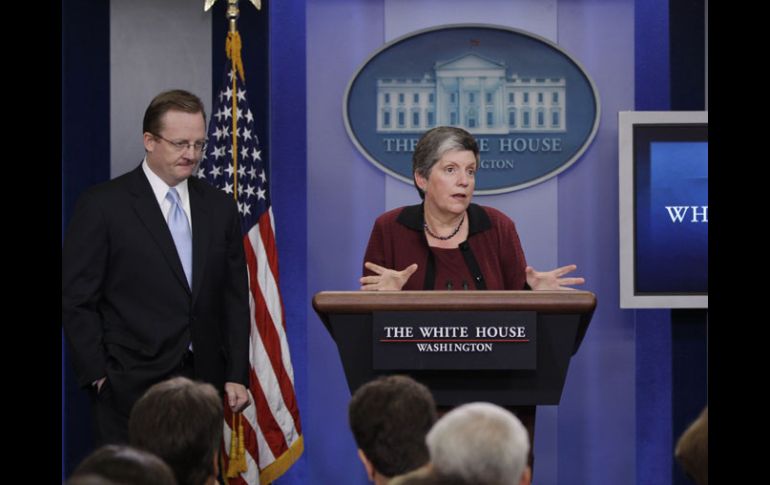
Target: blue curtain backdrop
(85,162)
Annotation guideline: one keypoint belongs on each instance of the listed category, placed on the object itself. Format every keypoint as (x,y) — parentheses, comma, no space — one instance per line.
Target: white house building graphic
(475,93)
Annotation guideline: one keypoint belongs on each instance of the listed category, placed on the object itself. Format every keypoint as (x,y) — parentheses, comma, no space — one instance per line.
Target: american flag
(271,425)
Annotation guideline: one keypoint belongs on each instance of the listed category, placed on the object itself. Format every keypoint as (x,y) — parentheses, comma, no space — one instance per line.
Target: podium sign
(454,340)
(358,321)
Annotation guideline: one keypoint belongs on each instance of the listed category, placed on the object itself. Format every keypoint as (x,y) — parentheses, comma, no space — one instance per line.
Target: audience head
(180,421)
(390,417)
(424,476)
(91,479)
(481,444)
(122,465)
(692,449)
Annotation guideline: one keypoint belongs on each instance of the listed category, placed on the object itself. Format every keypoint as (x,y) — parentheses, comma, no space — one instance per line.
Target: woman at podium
(447,242)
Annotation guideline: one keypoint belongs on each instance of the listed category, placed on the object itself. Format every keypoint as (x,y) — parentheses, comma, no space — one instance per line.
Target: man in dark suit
(154,280)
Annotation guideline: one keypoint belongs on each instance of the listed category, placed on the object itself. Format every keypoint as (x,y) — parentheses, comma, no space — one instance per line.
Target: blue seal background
(525,55)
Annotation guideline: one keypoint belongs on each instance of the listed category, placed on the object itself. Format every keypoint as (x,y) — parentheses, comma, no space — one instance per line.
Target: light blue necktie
(180,231)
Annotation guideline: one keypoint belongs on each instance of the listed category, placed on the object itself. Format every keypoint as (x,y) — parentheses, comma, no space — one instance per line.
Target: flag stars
(219,152)
(236,170)
(244,208)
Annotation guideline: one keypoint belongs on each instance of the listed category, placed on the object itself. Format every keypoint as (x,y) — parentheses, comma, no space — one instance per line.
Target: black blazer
(128,312)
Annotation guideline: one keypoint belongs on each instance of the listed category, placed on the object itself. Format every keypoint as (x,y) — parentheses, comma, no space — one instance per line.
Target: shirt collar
(160,188)
(413,217)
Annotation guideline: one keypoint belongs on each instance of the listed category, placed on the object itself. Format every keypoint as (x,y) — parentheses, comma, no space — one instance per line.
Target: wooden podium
(558,321)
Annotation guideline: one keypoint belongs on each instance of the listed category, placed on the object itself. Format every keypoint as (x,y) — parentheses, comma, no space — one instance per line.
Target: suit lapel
(201,217)
(149,213)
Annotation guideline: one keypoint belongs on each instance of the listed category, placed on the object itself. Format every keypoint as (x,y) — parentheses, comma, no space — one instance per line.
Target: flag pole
(233,48)
(237,462)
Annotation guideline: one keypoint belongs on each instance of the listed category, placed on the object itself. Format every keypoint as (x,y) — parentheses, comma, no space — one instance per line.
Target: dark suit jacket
(128,312)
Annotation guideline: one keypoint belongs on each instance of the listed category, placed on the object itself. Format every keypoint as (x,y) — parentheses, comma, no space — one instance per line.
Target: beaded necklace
(444,238)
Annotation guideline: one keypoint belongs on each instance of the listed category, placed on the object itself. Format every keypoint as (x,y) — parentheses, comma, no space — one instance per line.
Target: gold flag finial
(209,3)
(232,10)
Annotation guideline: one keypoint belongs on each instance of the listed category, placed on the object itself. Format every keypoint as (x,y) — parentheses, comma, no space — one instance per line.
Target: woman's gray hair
(434,144)
(479,443)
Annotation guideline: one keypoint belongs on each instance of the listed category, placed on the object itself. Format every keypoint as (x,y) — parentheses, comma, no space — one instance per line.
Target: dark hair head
(390,417)
(92,479)
(180,421)
(434,144)
(122,465)
(174,100)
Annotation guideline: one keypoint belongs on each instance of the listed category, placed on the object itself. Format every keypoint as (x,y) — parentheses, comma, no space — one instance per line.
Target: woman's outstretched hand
(552,280)
(386,279)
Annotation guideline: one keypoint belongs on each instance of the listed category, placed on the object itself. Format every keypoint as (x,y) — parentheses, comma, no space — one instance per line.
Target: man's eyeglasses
(197,146)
